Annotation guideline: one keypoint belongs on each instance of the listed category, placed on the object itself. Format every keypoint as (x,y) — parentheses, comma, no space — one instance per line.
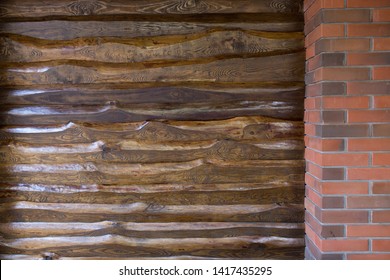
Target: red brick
(313,90)
(341,102)
(381,188)
(325,144)
(338,117)
(381,44)
(342,216)
(368,230)
(327,159)
(341,74)
(381,245)
(332,4)
(378,58)
(312,103)
(309,206)
(382,102)
(326,59)
(310,129)
(370,256)
(312,182)
(347,15)
(368,88)
(312,116)
(369,29)
(344,245)
(326,88)
(344,159)
(342,130)
(325,173)
(316,6)
(342,45)
(324,230)
(319,255)
(381,159)
(369,144)
(313,223)
(310,233)
(381,15)
(368,174)
(342,188)
(361,202)
(307,4)
(381,216)
(367,3)
(381,73)
(314,197)
(333,202)
(310,155)
(381,130)
(366,116)
(310,51)
(325,30)
(311,11)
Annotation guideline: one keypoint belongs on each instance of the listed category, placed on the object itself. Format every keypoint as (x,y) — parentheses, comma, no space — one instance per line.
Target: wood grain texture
(167,129)
(211,44)
(40,8)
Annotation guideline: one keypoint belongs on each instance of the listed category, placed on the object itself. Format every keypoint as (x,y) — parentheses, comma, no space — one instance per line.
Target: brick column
(347,126)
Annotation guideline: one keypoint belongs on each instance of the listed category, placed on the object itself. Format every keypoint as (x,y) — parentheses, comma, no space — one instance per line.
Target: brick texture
(381,44)
(347,127)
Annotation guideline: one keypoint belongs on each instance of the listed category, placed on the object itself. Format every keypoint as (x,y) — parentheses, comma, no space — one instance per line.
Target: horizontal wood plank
(40,8)
(274,68)
(211,44)
(151,230)
(65,30)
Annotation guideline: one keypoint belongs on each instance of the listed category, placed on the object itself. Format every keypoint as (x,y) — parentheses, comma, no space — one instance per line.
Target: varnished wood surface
(167,129)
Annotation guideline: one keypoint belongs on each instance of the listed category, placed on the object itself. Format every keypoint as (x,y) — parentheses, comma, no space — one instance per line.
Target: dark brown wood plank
(151,230)
(228,150)
(113,251)
(39,8)
(151,213)
(260,196)
(271,68)
(194,172)
(68,30)
(150,97)
(39,115)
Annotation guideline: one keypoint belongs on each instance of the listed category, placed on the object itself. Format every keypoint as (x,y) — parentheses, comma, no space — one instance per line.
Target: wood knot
(85,8)
(285,6)
(154,207)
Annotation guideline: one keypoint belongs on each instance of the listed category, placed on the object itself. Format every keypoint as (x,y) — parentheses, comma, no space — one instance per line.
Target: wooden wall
(143,129)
